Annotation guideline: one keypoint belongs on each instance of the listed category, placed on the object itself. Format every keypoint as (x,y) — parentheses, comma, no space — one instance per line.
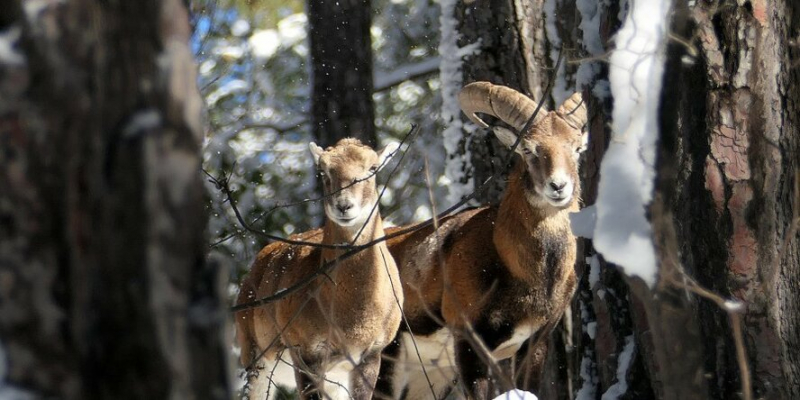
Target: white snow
(230,52)
(560,91)
(458,163)
(293,29)
(623,234)
(584,222)
(291,32)
(594,271)
(590,28)
(591,329)
(517,394)
(588,389)
(8,40)
(240,27)
(264,43)
(623,364)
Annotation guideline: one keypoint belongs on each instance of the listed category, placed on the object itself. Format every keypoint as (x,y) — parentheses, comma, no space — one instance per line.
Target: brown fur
(498,267)
(350,314)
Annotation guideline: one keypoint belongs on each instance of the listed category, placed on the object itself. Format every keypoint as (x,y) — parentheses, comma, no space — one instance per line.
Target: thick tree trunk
(727,157)
(738,152)
(341,59)
(506,58)
(723,205)
(104,287)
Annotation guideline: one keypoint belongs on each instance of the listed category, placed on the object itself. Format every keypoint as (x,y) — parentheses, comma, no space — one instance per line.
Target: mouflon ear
(316,151)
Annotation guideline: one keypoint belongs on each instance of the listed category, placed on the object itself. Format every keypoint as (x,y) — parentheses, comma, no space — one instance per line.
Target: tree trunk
(341,60)
(737,150)
(506,58)
(721,212)
(104,287)
(723,204)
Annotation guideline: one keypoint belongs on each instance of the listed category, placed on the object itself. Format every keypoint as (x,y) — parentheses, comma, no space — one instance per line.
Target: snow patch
(8,42)
(623,234)
(517,394)
(264,43)
(594,271)
(583,222)
(623,364)
(240,28)
(591,329)
(458,165)
(559,92)
(588,389)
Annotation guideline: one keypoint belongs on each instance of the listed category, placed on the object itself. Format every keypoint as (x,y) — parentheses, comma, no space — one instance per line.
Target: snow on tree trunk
(104,287)
(623,235)
(506,58)
(458,167)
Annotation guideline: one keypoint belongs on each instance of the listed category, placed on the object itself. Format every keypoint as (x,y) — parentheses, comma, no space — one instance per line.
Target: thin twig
(733,309)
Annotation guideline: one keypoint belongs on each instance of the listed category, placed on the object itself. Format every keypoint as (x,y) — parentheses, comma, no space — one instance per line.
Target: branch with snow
(386,79)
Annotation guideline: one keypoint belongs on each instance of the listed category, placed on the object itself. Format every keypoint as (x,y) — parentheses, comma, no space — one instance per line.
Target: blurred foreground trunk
(104,287)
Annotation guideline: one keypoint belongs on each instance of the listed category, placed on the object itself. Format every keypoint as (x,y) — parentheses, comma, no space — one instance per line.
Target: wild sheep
(506,271)
(345,317)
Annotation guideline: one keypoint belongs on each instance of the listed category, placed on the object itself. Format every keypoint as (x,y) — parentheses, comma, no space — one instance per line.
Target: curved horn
(511,106)
(573,111)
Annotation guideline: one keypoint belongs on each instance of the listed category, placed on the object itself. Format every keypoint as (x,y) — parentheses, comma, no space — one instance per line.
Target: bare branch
(387,79)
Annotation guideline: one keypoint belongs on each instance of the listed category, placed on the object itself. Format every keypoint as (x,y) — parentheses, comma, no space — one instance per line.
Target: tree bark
(506,58)
(104,287)
(722,211)
(341,60)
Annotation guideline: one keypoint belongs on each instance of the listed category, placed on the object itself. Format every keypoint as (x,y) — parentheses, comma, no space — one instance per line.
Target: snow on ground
(458,163)
(623,234)
(517,394)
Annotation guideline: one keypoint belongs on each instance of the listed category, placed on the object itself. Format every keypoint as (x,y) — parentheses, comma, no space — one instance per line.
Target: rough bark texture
(737,196)
(507,32)
(728,154)
(104,287)
(341,58)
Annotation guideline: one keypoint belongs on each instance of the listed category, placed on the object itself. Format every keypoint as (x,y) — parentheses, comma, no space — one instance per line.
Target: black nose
(558,186)
(344,207)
